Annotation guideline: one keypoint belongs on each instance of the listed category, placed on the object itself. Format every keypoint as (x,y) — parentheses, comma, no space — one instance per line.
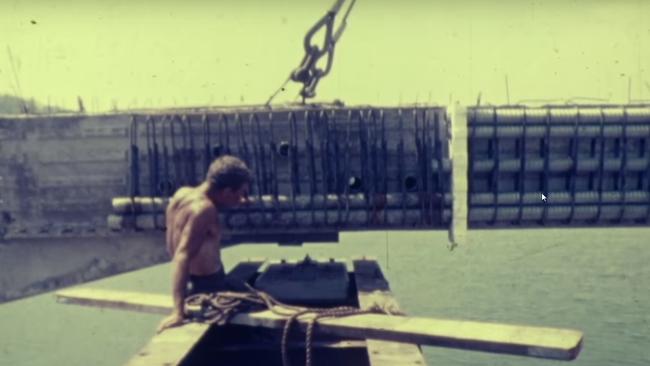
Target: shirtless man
(193,231)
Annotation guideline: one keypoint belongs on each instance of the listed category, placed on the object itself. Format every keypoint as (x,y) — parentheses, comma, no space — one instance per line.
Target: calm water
(593,280)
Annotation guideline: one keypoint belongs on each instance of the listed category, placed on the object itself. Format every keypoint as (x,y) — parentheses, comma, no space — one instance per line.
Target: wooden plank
(553,343)
(121,300)
(173,345)
(373,290)
(561,344)
(343,344)
(169,347)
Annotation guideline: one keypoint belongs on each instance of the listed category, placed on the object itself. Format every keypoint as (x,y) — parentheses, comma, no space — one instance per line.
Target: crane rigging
(308,73)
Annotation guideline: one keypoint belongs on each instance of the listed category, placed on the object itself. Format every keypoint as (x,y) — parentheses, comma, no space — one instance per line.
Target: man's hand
(173,320)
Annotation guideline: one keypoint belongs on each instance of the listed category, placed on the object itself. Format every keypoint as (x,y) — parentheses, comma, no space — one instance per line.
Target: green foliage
(11,104)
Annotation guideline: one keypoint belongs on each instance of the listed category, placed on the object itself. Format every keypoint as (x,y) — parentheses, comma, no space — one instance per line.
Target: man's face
(236,197)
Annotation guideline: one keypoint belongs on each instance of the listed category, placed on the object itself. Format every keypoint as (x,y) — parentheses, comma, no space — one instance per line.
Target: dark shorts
(206,284)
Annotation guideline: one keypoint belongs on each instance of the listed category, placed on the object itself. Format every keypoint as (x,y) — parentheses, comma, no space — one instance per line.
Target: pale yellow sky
(199,52)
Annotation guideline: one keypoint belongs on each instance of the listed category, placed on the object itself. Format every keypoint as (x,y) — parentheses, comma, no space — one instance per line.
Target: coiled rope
(218,308)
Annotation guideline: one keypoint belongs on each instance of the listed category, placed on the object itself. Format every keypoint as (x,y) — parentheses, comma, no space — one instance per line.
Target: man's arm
(190,242)
(169,227)
(170,217)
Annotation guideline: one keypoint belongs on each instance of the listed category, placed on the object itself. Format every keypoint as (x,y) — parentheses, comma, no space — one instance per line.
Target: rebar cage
(338,169)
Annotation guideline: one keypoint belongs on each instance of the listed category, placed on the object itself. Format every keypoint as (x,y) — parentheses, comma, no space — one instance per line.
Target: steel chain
(308,73)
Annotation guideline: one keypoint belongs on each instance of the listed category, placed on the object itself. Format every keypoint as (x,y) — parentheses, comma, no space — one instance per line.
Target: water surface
(594,280)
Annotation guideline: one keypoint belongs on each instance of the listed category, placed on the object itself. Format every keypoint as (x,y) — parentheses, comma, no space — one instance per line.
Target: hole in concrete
(6,217)
(355,183)
(216,150)
(410,183)
(283,149)
(165,187)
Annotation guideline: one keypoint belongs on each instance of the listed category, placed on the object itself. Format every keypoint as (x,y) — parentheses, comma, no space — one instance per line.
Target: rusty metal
(207,147)
(134,159)
(152,155)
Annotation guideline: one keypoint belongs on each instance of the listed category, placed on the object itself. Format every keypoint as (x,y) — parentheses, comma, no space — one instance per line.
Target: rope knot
(217,308)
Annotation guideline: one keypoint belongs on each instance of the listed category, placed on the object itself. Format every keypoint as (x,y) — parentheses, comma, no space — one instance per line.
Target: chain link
(308,73)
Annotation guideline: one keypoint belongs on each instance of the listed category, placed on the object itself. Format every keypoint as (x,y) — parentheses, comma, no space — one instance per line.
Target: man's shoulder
(181,193)
(201,206)
(192,201)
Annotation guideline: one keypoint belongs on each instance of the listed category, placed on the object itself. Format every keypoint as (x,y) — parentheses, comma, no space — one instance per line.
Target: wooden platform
(373,290)
(391,339)
(172,346)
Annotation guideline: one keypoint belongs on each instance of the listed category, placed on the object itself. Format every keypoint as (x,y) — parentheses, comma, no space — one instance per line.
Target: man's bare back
(183,207)
(193,232)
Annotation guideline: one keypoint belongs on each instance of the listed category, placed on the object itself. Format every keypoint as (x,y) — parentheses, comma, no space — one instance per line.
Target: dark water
(594,280)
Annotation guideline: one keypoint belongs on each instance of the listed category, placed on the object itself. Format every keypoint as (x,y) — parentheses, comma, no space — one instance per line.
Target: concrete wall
(59,172)
(35,265)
